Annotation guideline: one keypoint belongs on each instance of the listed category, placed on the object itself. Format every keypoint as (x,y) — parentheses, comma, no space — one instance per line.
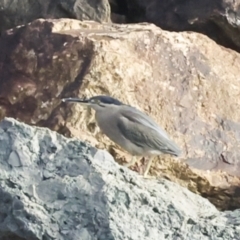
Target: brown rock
(185,81)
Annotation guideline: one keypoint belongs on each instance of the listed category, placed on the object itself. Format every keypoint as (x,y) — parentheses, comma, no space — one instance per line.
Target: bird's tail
(173,149)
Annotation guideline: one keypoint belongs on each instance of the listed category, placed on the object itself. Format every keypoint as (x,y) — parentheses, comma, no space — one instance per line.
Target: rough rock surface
(58,188)
(177,78)
(18,12)
(218,19)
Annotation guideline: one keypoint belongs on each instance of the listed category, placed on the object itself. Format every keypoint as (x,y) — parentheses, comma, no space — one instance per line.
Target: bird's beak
(84,102)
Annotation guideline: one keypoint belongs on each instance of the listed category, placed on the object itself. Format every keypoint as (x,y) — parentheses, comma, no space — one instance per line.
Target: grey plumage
(130,128)
(144,132)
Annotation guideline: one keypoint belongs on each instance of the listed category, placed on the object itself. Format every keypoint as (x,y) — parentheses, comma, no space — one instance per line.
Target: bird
(130,128)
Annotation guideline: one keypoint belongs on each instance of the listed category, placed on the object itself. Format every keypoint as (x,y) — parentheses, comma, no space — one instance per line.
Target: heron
(130,128)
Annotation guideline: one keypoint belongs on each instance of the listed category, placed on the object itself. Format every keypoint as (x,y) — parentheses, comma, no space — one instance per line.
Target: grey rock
(97,10)
(219,20)
(14,12)
(52,187)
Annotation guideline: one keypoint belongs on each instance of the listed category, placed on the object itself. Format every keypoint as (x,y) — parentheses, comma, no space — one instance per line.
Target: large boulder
(57,188)
(218,19)
(185,81)
(20,12)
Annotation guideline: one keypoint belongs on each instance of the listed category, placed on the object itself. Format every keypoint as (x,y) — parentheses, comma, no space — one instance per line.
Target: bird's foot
(148,177)
(145,174)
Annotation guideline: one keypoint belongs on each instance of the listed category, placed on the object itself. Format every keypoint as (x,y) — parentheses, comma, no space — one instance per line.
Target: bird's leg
(132,162)
(148,167)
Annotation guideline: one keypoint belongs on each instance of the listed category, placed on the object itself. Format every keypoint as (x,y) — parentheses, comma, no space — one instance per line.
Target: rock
(65,189)
(118,18)
(177,78)
(15,13)
(220,20)
(96,10)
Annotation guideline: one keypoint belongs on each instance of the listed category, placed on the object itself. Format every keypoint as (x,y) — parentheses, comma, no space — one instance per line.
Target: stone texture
(97,10)
(185,81)
(218,19)
(19,12)
(58,188)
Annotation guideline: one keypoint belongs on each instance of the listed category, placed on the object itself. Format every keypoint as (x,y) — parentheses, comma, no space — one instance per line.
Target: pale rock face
(185,81)
(58,188)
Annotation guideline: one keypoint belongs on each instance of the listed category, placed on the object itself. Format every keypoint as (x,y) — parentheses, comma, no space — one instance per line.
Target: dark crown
(106,100)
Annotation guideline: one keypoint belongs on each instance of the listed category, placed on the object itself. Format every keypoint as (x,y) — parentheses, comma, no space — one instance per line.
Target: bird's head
(96,102)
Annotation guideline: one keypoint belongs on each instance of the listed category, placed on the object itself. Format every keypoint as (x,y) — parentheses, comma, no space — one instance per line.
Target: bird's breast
(108,123)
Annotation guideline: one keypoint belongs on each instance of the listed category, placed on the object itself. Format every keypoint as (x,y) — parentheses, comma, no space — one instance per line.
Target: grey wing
(145,133)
